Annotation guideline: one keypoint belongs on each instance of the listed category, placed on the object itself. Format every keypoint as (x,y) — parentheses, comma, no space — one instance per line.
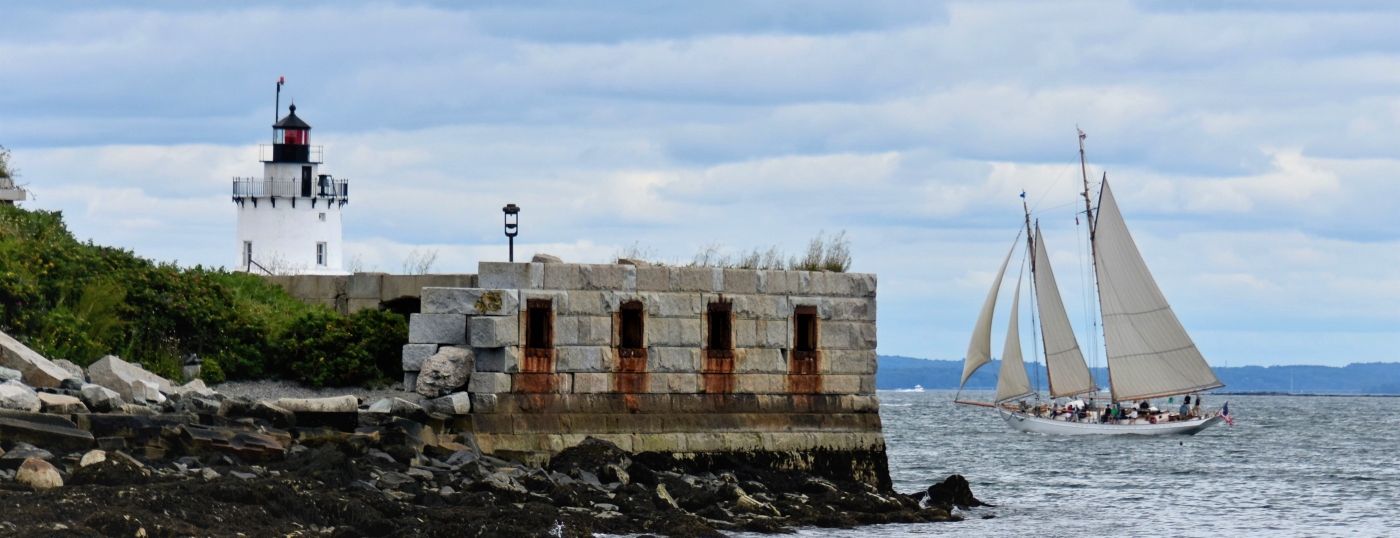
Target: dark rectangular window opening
(804,329)
(720,318)
(539,324)
(632,326)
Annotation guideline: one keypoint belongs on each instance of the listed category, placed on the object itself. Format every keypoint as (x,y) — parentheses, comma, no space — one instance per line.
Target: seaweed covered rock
(953,491)
(592,455)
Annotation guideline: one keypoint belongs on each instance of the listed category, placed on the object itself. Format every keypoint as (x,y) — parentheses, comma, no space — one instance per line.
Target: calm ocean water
(1292,466)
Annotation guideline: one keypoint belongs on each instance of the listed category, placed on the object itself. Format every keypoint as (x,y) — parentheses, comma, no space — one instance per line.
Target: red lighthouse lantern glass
(300,137)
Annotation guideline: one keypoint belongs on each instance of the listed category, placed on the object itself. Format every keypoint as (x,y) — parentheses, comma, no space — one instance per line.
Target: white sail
(1012,382)
(1149,353)
(1064,362)
(979,351)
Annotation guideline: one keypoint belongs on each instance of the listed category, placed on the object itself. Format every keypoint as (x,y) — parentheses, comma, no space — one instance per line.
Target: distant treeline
(1359,378)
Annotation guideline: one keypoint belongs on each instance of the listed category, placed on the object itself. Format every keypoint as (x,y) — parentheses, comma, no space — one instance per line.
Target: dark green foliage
(322,347)
(79,301)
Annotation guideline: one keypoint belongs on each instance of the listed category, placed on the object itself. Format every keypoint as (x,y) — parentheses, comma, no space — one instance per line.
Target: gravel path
(272,390)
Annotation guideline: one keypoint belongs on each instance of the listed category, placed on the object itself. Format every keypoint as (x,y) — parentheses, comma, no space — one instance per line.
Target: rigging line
(1051,187)
(1034,212)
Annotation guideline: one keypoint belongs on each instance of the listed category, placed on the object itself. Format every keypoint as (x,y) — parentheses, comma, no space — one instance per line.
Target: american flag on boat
(1225,414)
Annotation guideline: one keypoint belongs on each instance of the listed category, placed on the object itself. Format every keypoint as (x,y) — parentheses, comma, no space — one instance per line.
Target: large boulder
(131,381)
(61,404)
(73,369)
(38,474)
(15,395)
(338,412)
(457,403)
(37,371)
(99,398)
(953,491)
(444,372)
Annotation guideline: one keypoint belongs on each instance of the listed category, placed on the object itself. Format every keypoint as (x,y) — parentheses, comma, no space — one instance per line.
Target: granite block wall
(665,359)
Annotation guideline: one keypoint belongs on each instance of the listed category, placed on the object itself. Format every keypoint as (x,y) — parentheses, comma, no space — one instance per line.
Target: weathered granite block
(364,286)
(673,359)
(774,334)
(514,276)
(415,354)
(563,276)
(849,309)
(469,301)
(498,359)
(698,279)
(653,278)
(760,383)
(495,331)
(760,361)
(847,335)
(746,333)
(740,281)
(849,361)
(482,402)
(673,305)
(841,384)
(592,383)
(488,383)
(771,307)
(673,332)
(674,383)
(567,303)
(867,384)
(437,329)
(582,359)
(531,383)
(410,381)
(778,282)
(582,330)
(609,277)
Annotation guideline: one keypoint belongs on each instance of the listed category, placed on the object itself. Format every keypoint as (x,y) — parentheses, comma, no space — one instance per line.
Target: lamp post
(512,219)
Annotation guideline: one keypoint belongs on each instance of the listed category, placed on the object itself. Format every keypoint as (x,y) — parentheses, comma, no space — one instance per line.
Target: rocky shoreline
(116,451)
(356,486)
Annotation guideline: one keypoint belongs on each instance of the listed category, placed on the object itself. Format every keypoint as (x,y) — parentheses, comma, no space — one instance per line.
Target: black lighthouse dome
(291,138)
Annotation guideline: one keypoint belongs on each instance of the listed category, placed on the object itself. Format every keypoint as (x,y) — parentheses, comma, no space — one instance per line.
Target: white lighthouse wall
(286,236)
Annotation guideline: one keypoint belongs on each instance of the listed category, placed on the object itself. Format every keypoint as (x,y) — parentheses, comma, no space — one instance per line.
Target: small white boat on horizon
(1149,353)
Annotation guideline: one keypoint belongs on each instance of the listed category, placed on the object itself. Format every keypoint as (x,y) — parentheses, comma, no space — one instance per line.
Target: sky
(1253,146)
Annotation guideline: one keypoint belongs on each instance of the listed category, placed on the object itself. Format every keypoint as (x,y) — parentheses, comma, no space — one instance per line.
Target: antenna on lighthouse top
(277,105)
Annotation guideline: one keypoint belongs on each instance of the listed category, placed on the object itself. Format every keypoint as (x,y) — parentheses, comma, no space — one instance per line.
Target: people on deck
(1185,410)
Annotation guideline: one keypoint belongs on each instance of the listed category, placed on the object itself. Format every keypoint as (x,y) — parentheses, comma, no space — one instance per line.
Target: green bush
(322,347)
(78,301)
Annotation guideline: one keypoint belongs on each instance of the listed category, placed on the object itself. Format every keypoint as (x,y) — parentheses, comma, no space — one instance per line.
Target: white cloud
(1254,150)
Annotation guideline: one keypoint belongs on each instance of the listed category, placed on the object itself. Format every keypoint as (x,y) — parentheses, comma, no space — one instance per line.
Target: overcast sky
(1254,148)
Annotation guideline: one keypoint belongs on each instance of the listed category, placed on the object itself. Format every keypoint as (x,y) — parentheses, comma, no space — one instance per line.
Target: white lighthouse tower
(289,219)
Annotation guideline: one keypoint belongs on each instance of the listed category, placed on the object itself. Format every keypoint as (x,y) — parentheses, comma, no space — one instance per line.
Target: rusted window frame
(624,311)
(724,310)
(532,331)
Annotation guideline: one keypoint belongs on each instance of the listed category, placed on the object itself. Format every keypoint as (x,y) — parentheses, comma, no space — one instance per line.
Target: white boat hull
(1027,423)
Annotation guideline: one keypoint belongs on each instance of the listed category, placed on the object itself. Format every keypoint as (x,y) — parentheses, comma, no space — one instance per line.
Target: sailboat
(1150,355)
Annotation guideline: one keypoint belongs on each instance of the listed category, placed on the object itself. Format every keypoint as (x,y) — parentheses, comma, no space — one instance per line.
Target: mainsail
(1012,382)
(1149,353)
(979,351)
(1064,362)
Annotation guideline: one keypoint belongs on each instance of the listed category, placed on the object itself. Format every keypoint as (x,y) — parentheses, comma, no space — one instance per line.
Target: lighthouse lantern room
(289,220)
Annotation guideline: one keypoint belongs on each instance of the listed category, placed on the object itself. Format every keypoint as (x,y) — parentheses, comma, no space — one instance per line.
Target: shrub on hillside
(78,301)
(321,347)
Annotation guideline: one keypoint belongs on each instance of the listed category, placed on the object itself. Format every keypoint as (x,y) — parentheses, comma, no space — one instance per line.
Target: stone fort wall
(777,367)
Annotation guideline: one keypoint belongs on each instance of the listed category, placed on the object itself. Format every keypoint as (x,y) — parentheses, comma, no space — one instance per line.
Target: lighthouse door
(306,181)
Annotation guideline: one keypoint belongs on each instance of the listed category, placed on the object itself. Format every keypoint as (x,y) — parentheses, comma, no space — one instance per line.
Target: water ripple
(1291,467)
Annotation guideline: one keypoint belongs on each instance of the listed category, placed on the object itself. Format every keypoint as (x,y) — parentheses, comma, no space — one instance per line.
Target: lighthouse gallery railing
(291,188)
